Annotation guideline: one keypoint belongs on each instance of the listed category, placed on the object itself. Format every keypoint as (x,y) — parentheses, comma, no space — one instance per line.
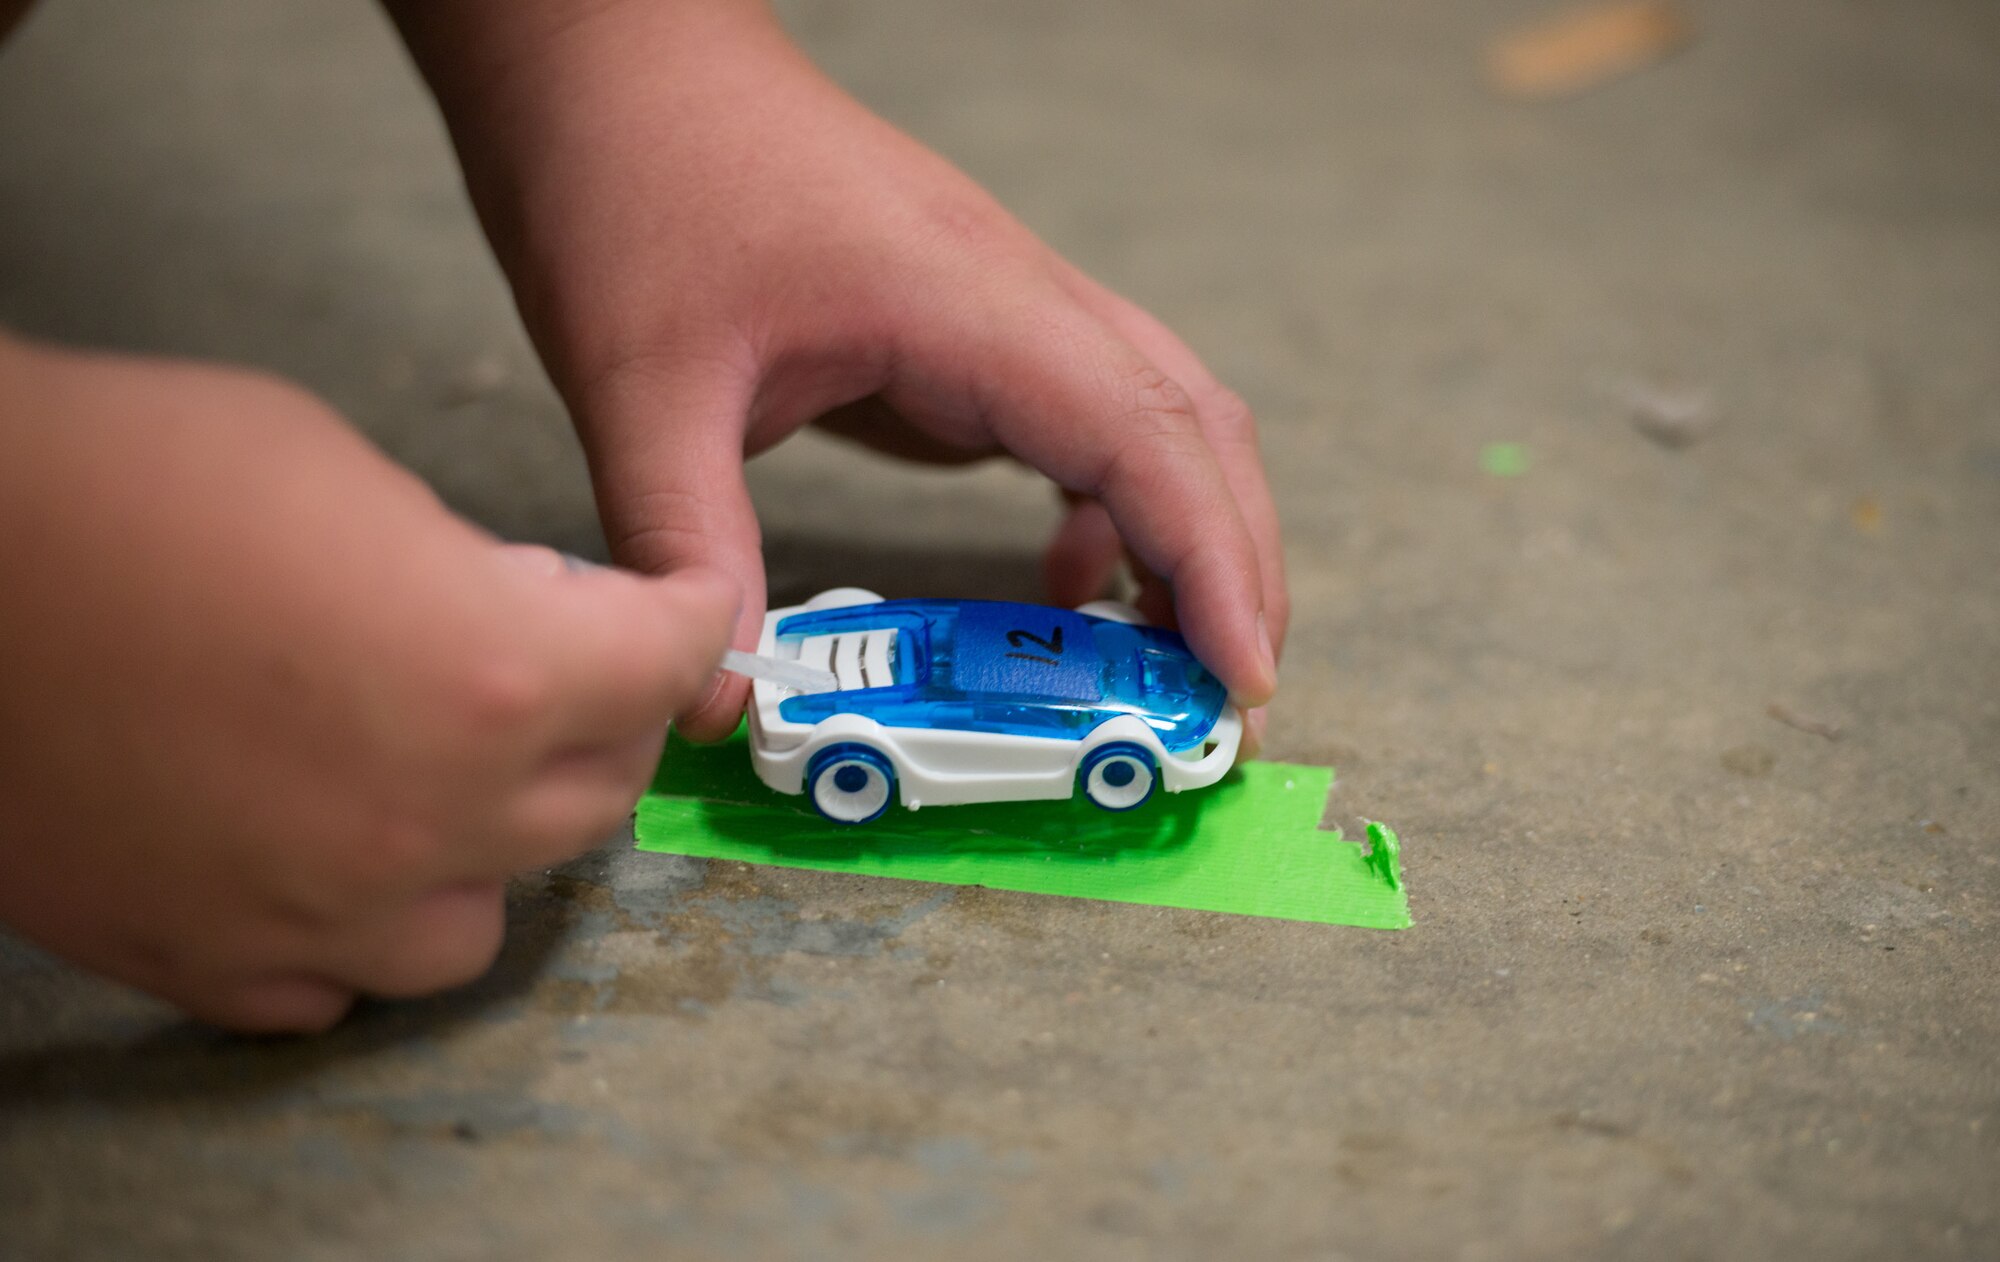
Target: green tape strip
(1251,845)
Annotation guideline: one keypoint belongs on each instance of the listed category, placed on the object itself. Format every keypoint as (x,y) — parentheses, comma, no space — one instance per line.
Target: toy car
(954,701)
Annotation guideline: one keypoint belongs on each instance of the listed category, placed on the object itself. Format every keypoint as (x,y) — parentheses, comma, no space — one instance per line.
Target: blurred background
(1630,379)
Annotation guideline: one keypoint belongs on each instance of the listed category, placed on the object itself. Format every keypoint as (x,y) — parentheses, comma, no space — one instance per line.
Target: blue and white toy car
(953,701)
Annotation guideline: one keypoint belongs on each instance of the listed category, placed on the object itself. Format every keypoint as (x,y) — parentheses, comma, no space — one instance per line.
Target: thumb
(666,455)
(617,656)
(630,652)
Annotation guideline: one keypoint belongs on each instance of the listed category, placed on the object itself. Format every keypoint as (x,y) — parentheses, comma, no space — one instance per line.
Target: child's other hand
(277,726)
(713,246)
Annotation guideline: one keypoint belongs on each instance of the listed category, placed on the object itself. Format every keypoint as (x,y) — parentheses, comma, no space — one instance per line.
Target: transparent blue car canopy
(1023,670)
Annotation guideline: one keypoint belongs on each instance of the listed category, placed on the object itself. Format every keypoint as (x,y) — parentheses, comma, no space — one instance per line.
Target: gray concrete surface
(1686,981)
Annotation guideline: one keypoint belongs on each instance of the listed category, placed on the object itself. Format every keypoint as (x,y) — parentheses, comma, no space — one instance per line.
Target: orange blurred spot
(1575,51)
(1866,515)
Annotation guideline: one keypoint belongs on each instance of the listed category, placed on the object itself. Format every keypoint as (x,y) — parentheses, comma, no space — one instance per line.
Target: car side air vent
(860,659)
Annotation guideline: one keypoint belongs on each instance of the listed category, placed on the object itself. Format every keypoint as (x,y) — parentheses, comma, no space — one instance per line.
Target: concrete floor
(1686,981)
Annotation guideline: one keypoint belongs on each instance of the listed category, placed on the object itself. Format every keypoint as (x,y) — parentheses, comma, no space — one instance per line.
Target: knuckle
(610,819)
(1148,462)
(561,823)
(596,821)
(460,958)
(452,937)
(636,765)
(496,692)
(628,363)
(651,547)
(387,857)
(1229,416)
(661,529)
(465,964)
(648,361)
(1158,401)
(964,227)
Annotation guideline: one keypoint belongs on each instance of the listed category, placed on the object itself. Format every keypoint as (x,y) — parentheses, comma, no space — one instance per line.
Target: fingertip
(1254,722)
(1256,690)
(717,716)
(1267,656)
(1239,661)
(277,1005)
(708,609)
(1227,629)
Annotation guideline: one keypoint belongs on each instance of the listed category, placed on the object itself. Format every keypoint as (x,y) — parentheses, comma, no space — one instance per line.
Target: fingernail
(701,707)
(1264,647)
(534,558)
(714,694)
(1253,735)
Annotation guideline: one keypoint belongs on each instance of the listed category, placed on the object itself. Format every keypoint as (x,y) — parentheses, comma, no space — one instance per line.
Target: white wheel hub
(1119,782)
(850,790)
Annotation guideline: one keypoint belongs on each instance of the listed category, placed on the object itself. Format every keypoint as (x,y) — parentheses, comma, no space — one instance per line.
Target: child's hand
(276,725)
(713,246)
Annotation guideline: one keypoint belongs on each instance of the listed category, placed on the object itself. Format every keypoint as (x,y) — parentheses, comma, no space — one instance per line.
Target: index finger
(1232,435)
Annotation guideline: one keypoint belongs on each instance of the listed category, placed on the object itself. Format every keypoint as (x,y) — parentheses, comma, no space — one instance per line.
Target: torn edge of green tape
(1385,853)
(1251,845)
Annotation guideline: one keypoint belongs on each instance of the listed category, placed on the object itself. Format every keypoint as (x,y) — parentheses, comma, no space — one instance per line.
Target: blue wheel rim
(1110,773)
(850,783)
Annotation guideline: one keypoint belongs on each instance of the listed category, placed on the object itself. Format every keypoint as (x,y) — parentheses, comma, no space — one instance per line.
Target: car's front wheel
(851,783)
(1119,776)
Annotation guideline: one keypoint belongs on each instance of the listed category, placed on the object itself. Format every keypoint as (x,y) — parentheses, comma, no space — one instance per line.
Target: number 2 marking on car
(1053,644)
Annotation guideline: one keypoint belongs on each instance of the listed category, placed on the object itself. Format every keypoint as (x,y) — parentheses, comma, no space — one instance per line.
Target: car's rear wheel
(1119,776)
(851,783)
